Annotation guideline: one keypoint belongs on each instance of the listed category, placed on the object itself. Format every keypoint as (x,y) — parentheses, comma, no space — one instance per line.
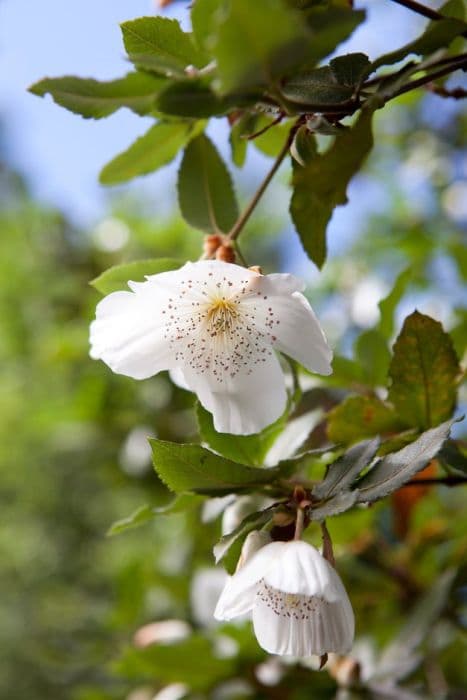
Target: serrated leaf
(93,99)
(117,277)
(222,550)
(156,148)
(372,353)
(358,417)
(146,513)
(247,57)
(437,35)
(316,87)
(196,469)
(423,371)
(397,468)
(321,186)
(201,667)
(205,191)
(345,470)
(337,504)
(388,305)
(159,44)
(245,449)
(351,68)
(192,98)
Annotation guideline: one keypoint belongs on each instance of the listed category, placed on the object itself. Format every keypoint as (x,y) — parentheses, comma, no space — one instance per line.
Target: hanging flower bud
(226,253)
(299,604)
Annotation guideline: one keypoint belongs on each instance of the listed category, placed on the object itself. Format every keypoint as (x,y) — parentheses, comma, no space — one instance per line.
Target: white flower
(300,606)
(215,325)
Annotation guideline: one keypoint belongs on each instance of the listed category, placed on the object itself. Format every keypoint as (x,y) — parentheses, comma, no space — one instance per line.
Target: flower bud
(225,253)
(211,243)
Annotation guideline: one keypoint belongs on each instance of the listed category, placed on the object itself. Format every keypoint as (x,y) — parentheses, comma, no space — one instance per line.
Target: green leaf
(191,661)
(321,186)
(205,191)
(437,35)
(272,140)
(453,458)
(256,43)
(372,353)
(359,417)
(117,277)
(193,468)
(154,149)
(246,449)
(388,305)
(229,547)
(159,44)
(194,98)
(303,147)
(330,26)
(204,18)
(351,68)
(316,87)
(243,127)
(146,513)
(397,468)
(93,99)
(424,372)
(344,470)
(337,504)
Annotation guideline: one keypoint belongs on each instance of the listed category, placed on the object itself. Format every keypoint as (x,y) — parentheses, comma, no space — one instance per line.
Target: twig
(430,77)
(328,552)
(243,218)
(444,481)
(420,9)
(262,131)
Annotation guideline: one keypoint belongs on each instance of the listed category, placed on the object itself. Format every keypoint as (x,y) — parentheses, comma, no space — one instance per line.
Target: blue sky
(61,154)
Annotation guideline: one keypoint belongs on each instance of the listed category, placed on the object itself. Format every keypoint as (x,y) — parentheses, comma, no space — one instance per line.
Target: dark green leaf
(350,69)
(159,44)
(234,540)
(193,468)
(245,449)
(191,661)
(256,43)
(154,149)
(146,513)
(243,127)
(303,147)
(316,87)
(205,192)
(321,186)
(93,99)
(116,278)
(337,504)
(388,305)
(372,353)
(193,98)
(453,458)
(344,471)
(358,417)
(397,468)
(330,25)
(424,370)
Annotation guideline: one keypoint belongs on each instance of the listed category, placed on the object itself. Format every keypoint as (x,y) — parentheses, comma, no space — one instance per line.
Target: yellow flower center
(221,315)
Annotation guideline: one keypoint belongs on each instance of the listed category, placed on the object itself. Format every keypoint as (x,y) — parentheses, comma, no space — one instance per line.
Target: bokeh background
(73,453)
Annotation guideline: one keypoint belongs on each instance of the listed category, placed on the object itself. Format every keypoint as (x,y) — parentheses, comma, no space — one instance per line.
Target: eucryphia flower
(216,326)
(299,604)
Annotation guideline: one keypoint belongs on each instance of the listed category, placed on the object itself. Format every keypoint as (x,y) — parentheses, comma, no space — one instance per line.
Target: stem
(328,552)
(420,9)
(445,481)
(430,77)
(243,218)
(299,524)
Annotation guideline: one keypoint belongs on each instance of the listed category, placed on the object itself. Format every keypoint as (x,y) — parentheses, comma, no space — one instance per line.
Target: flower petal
(128,333)
(303,570)
(291,322)
(239,594)
(246,402)
(300,625)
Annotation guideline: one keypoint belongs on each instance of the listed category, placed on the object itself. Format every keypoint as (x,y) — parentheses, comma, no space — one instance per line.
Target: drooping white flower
(216,326)
(299,604)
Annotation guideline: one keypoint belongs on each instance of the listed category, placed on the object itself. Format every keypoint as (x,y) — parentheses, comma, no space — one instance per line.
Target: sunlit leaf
(116,278)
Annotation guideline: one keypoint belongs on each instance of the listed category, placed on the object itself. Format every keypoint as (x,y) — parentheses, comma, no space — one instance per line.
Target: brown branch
(443,481)
(430,77)
(420,9)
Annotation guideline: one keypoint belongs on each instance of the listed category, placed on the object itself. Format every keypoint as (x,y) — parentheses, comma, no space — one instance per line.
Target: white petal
(246,402)
(291,322)
(254,541)
(239,593)
(300,625)
(127,334)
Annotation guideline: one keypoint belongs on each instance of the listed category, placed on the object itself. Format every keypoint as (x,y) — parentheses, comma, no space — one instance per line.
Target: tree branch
(444,481)
(420,9)
(412,85)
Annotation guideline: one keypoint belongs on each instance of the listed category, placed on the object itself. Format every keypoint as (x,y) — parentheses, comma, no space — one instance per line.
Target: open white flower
(215,325)
(300,606)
